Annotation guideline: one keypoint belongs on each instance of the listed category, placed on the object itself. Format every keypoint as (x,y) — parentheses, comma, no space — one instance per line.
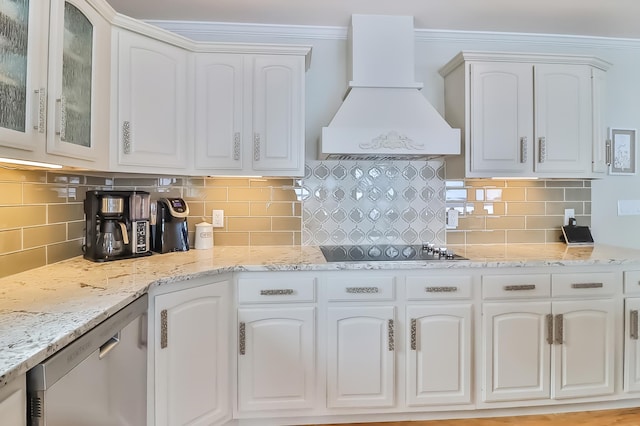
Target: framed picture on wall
(623,152)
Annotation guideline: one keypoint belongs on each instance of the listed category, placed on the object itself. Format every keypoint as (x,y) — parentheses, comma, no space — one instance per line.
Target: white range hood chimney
(384,116)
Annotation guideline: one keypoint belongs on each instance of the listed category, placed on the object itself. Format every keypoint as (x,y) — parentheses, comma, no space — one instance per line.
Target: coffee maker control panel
(178,207)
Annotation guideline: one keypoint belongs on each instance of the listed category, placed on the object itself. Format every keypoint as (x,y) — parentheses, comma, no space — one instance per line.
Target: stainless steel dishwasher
(99,379)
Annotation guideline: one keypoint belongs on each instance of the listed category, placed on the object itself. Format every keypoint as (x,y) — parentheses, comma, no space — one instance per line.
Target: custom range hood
(384,115)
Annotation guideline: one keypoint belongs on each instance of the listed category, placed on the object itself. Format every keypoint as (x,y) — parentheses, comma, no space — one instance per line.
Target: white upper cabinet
(79,68)
(219,112)
(249,114)
(23,76)
(55,75)
(152,104)
(526,115)
(278,115)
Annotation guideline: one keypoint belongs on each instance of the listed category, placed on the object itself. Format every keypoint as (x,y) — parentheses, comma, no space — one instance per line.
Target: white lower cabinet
(439,354)
(276,354)
(13,403)
(361,356)
(540,350)
(191,356)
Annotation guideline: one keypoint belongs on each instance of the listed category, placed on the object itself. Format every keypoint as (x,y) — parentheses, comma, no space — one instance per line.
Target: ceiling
(603,18)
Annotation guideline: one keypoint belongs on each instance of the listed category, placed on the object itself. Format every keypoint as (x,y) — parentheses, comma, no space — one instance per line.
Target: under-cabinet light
(30,163)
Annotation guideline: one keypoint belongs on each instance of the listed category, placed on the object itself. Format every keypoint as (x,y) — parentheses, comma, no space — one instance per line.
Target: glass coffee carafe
(112,238)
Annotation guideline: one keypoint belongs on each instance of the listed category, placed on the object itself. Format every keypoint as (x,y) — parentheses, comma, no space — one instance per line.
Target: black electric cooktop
(388,253)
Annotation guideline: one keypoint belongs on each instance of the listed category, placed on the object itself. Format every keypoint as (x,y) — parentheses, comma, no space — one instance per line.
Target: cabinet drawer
(361,288)
(584,284)
(515,286)
(276,290)
(439,287)
(632,281)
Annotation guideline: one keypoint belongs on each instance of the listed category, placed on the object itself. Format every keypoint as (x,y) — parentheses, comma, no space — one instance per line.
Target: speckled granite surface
(44,309)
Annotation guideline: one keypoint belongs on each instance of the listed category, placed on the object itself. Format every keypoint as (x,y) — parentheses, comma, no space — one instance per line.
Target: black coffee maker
(117,225)
(169,226)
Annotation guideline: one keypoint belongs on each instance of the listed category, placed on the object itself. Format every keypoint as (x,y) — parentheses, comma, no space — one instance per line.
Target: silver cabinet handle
(277,292)
(143,331)
(587,285)
(256,146)
(542,146)
(109,345)
(242,338)
(126,137)
(520,287)
(236,146)
(414,331)
(443,289)
(61,107)
(633,323)
(164,329)
(360,290)
(523,149)
(390,335)
(549,319)
(607,152)
(559,332)
(41,104)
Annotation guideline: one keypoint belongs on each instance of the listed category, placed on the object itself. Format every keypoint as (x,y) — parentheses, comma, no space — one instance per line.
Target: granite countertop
(44,309)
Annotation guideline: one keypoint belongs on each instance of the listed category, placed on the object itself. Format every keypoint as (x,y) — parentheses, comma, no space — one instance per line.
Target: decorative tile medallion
(366,202)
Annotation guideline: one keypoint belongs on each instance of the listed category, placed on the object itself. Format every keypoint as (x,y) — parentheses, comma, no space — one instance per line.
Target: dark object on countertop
(576,235)
(169,229)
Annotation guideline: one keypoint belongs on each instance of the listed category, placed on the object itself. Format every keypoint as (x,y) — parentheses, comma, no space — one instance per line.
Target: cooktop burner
(388,253)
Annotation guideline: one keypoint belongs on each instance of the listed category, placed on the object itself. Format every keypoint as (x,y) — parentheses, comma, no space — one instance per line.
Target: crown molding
(208,31)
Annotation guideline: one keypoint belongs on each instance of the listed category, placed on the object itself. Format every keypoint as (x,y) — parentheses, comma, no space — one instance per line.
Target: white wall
(327,83)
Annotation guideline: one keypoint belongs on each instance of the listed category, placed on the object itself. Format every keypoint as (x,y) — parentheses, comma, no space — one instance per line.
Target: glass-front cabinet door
(23,73)
(77,87)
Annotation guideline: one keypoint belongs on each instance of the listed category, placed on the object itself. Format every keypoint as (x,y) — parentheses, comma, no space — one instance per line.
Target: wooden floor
(626,417)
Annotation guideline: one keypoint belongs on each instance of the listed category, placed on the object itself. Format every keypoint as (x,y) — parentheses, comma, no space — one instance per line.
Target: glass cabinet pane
(14,30)
(75,121)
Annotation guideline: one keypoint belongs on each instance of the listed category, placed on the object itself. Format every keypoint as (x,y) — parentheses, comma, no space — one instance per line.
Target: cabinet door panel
(152,93)
(79,64)
(438,354)
(278,113)
(584,362)
(563,118)
(502,122)
(23,73)
(191,372)
(219,112)
(516,354)
(277,367)
(360,355)
(631,346)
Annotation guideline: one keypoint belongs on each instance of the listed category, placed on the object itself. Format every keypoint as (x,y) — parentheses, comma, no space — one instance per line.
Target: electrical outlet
(568,214)
(217,218)
(452,219)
